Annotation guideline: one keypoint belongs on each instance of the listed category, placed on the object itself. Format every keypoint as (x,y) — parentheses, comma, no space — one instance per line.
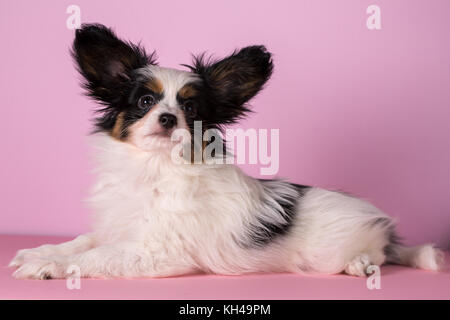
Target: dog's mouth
(163,134)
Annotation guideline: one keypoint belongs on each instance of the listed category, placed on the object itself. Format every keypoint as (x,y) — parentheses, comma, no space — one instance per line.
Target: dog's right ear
(106,62)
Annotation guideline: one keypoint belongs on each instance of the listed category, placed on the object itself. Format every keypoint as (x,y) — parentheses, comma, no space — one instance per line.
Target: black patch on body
(267,231)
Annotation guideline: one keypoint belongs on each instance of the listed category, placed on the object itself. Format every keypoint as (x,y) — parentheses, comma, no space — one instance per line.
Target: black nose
(168,120)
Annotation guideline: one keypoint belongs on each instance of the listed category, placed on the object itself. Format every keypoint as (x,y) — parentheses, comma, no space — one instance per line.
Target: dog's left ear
(231,82)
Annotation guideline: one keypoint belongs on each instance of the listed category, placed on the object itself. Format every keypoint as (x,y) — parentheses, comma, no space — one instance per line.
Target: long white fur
(155,218)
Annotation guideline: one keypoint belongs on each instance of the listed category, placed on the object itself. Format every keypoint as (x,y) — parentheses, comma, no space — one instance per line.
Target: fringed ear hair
(231,82)
(107,65)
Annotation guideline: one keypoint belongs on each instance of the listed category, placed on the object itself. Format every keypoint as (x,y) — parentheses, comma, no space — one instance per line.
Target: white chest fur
(180,209)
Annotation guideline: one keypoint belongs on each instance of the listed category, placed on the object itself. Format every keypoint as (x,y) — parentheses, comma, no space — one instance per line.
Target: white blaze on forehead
(172,81)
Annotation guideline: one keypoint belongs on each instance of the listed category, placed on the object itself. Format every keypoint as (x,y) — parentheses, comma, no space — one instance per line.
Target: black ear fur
(231,82)
(104,60)
(107,64)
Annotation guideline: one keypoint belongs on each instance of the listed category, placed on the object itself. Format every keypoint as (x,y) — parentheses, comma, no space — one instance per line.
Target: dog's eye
(146,101)
(189,108)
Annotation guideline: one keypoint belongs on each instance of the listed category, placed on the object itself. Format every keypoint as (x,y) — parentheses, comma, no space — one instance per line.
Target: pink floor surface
(396,283)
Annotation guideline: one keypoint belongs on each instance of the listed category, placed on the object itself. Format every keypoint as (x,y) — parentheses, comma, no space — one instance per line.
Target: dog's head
(144,103)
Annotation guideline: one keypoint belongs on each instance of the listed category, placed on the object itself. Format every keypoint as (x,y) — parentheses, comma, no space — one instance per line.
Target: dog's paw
(42,268)
(25,255)
(358,266)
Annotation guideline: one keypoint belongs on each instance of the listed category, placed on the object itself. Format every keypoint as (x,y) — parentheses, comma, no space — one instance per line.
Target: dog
(157,218)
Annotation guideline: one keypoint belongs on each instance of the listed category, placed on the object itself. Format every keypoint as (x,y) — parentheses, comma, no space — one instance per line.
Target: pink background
(363,111)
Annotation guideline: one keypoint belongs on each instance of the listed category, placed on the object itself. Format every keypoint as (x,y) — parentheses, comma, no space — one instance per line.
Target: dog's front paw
(42,268)
(25,255)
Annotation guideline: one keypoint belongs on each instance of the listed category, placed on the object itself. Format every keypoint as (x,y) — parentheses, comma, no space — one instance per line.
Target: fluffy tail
(423,257)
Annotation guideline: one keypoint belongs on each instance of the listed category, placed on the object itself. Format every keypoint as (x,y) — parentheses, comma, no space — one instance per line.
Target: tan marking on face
(187,91)
(118,127)
(155,85)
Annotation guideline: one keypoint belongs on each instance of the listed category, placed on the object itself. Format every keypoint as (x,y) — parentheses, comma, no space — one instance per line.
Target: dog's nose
(168,120)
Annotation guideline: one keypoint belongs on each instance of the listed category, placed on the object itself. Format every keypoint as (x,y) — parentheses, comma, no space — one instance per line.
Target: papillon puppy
(158,218)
